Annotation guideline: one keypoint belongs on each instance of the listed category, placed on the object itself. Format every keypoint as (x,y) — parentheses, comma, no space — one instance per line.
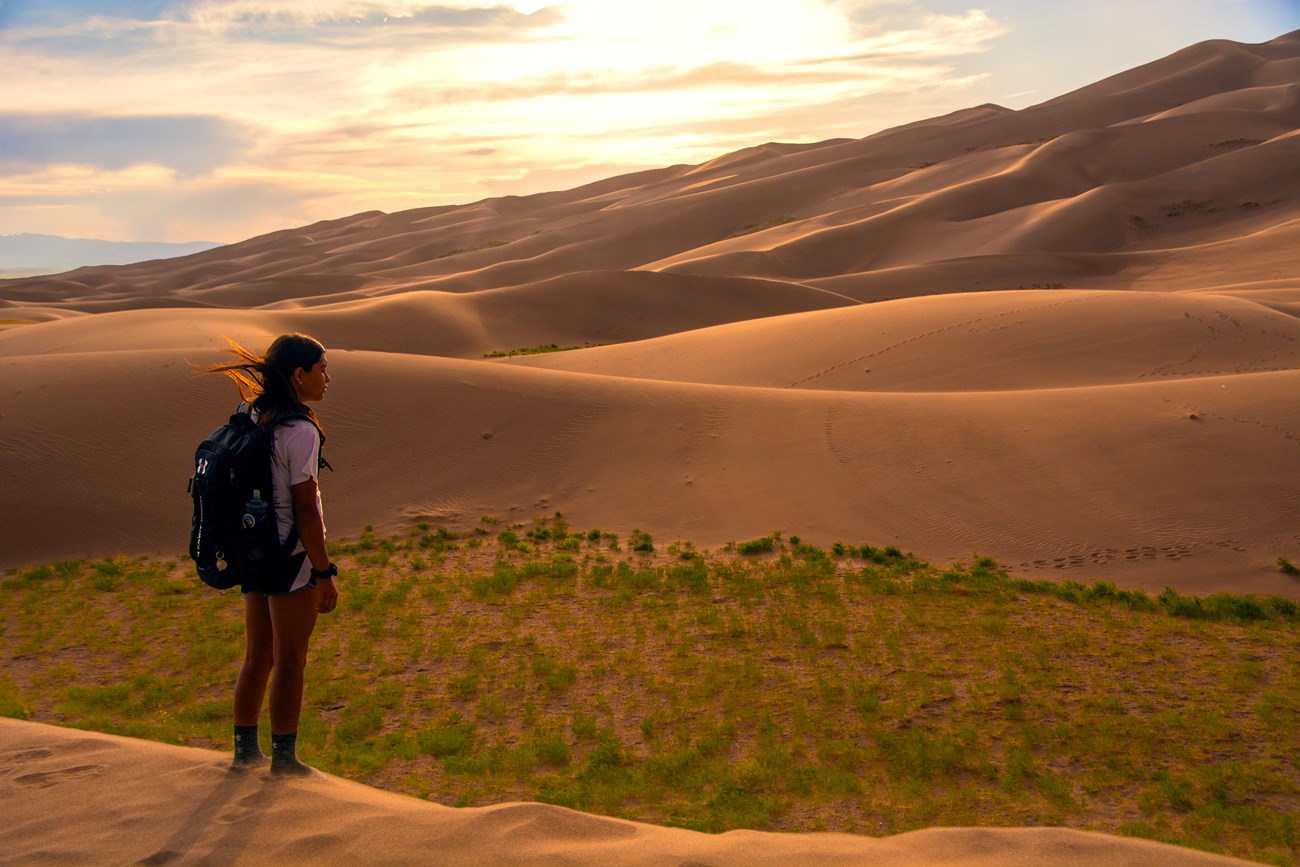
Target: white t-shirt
(295,458)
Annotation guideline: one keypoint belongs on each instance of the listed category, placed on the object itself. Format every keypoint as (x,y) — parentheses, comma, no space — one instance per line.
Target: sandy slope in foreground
(156,804)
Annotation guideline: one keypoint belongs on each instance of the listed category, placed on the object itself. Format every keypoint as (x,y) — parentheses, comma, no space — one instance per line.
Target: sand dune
(1075,339)
(1091,482)
(587,308)
(1088,370)
(1212,122)
(168,803)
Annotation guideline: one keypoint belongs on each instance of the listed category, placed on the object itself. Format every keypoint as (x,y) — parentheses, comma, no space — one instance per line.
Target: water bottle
(255,510)
(253,533)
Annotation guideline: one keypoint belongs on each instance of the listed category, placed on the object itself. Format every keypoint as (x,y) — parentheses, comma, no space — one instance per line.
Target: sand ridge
(1076,338)
(165,804)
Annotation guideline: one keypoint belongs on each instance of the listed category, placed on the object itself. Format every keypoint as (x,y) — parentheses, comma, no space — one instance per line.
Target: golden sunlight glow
(245,116)
(625,36)
(344,105)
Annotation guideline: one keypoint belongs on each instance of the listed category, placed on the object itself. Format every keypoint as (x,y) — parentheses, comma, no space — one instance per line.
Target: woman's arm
(311,531)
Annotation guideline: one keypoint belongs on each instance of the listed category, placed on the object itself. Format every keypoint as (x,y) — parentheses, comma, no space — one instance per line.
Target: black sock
(247,751)
(284,746)
(284,757)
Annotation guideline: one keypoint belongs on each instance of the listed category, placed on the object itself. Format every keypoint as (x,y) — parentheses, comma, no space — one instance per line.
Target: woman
(280,611)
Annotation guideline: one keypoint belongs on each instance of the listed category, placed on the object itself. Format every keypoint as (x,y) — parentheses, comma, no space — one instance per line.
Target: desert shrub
(692,575)
(761,545)
(509,540)
(36,573)
(447,740)
(501,582)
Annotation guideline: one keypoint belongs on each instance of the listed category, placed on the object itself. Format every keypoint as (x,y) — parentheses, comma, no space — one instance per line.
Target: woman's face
(311,384)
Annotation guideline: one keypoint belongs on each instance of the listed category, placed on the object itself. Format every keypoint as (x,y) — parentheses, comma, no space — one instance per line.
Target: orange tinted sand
(161,804)
(1085,362)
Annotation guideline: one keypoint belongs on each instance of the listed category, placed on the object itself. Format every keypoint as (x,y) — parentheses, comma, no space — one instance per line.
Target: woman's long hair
(265,381)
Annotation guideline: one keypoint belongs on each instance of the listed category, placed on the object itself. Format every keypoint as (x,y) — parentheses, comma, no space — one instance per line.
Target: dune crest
(164,803)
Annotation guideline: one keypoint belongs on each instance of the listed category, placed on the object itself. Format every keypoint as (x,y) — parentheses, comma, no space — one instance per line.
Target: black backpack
(233,536)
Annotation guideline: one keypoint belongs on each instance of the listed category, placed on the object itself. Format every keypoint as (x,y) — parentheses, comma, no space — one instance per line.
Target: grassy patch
(761,545)
(1187,207)
(540,349)
(851,688)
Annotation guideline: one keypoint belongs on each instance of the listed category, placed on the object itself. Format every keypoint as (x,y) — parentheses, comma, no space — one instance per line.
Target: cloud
(189,144)
(344,23)
(849,117)
(901,56)
(349,105)
(933,35)
(604,81)
(111,208)
(57,13)
(156,30)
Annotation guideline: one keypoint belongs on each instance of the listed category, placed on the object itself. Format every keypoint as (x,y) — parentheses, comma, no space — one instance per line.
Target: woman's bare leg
(259,656)
(293,618)
(250,686)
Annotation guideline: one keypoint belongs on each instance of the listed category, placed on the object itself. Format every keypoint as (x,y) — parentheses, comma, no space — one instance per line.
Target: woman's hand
(327,595)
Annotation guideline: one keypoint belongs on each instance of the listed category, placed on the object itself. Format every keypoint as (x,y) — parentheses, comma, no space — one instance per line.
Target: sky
(220,120)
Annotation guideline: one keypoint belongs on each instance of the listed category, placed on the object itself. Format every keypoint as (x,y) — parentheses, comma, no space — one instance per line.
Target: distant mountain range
(29,254)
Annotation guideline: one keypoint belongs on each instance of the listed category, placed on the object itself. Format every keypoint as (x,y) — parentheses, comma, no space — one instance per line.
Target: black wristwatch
(328,572)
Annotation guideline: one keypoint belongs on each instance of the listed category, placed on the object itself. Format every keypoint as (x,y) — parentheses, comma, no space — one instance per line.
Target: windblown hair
(265,381)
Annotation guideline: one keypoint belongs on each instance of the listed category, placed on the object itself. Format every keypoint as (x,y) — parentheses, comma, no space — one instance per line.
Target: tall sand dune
(1064,337)
(1193,109)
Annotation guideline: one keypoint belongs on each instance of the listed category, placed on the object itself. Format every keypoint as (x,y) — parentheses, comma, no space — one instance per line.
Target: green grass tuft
(529,350)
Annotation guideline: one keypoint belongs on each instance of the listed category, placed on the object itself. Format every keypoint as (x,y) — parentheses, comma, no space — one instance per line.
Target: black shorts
(282,581)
